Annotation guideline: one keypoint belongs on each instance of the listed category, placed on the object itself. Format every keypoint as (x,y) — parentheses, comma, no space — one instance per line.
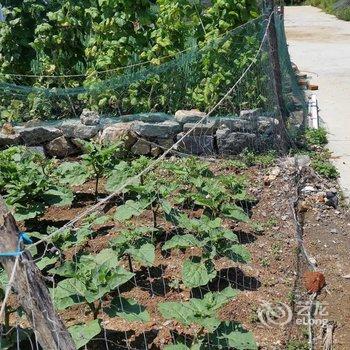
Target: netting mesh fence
(152,259)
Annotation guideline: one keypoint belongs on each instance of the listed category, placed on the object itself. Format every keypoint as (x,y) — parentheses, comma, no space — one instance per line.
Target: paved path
(319,45)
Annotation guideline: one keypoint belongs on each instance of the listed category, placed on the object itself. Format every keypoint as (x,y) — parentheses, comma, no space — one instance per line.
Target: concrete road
(319,44)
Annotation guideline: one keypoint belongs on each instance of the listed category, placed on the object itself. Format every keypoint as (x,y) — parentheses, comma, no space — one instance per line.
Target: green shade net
(198,77)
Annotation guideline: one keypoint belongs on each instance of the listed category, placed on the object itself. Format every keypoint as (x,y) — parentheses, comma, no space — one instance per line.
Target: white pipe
(313,112)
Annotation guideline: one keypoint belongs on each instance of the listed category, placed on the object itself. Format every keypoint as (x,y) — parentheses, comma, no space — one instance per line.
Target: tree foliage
(90,37)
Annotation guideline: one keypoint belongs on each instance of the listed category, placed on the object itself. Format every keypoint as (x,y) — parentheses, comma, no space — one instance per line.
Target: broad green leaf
(31,211)
(182,241)
(232,334)
(128,309)
(196,274)
(118,176)
(198,311)
(130,209)
(46,261)
(68,287)
(237,252)
(144,255)
(59,196)
(82,334)
(166,206)
(176,310)
(108,256)
(231,236)
(73,173)
(234,212)
(68,269)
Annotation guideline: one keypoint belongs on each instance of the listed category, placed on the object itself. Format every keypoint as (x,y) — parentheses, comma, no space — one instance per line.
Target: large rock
(90,118)
(9,140)
(157,130)
(141,148)
(36,136)
(75,129)
(199,145)
(267,125)
(234,142)
(60,147)
(119,132)
(238,124)
(250,113)
(189,116)
(201,128)
(165,143)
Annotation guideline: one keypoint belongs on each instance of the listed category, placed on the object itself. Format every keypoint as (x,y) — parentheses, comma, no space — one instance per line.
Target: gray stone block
(201,129)
(189,116)
(157,130)
(89,118)
(234,142)
(199,145)
(60,148)
(267,125)
(165,143)
(75,129)
(38,135)
(119,132)
(141,148)
(238,124)
(250,113)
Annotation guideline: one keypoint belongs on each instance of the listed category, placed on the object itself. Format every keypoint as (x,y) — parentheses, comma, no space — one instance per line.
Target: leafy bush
(86,36)
(316,137)
(28,184)
(324,167)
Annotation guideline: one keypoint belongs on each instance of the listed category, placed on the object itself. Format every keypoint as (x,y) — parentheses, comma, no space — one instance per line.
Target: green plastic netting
(198,78)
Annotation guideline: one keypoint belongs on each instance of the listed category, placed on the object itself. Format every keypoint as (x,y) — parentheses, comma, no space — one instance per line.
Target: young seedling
(100,159)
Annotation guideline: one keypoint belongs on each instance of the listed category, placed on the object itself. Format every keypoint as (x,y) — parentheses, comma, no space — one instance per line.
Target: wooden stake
(31,291)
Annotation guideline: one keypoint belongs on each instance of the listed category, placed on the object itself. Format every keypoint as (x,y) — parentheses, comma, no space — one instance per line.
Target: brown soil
(327,239)
(273,276)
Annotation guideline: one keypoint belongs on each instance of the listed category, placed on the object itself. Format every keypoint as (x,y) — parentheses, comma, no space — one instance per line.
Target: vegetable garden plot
(155,268)
(161,262)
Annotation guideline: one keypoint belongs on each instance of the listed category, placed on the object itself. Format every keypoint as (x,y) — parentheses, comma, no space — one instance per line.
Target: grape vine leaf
(30,211)
(59,196)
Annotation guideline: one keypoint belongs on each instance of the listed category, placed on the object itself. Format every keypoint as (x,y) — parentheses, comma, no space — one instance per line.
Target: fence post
(276,72)
(31,291)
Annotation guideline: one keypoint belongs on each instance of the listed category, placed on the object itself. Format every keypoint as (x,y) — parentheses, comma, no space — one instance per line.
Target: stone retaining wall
(149,134)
